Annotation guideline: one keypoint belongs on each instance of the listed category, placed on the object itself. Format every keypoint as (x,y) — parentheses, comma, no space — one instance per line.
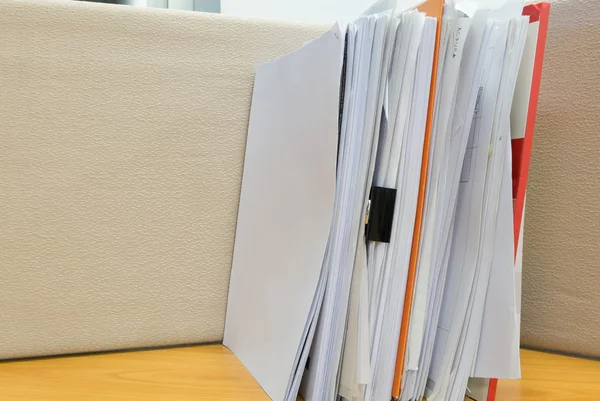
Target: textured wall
(122,134)
(561,267)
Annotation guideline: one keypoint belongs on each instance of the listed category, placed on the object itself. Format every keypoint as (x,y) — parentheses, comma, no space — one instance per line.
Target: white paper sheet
(467,350)
(498,352)
(285,209)
(463,256)
(355,369)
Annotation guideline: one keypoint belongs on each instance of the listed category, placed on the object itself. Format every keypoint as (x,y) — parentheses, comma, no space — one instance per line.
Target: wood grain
(549,377)
(209,372)
(212,372)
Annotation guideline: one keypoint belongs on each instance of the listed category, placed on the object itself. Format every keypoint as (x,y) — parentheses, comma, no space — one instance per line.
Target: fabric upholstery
(561,266)
(122,136)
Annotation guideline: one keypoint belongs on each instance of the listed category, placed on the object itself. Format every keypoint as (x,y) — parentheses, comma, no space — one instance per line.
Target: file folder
(432,8)
(522,134)
(523,118)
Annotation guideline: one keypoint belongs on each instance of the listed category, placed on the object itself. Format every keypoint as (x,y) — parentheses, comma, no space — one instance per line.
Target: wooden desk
(208,372)
(212,372)
(550,377)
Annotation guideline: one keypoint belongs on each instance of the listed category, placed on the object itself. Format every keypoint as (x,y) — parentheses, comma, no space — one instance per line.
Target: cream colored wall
(561,267)
(122,136)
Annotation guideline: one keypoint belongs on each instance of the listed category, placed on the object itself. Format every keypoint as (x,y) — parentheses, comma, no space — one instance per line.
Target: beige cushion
(561,267)
(122,134)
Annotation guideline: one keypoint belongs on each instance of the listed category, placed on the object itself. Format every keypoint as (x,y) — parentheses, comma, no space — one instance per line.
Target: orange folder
(432,8)
(521,149)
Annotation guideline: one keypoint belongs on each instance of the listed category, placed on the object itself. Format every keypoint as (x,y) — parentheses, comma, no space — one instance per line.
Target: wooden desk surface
(209,372)
(550,377)
(212,372)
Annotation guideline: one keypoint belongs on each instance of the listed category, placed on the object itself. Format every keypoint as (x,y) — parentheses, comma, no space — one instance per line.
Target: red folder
(522,142)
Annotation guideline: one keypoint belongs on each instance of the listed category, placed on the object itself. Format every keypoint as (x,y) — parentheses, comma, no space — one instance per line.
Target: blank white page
(286,207)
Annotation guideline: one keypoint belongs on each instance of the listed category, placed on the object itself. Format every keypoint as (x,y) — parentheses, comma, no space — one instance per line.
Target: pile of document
(376,205)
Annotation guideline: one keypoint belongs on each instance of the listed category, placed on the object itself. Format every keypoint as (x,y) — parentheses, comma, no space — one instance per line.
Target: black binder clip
(380,214)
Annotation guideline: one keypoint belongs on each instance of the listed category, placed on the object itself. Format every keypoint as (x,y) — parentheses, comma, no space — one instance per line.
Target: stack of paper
(450,347)
(460,72)
(375,283)
(362,101)
(398,167)
(496,241)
